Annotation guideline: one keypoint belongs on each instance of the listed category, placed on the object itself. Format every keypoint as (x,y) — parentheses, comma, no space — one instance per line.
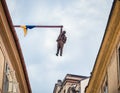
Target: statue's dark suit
(60,42)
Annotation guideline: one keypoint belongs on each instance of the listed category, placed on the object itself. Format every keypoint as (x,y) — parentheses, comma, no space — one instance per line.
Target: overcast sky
(84,21)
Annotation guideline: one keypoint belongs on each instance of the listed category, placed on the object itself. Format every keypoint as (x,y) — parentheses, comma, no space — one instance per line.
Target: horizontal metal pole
(43,26)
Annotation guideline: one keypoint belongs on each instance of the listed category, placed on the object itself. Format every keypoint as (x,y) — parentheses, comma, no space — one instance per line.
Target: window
(105,88)
(10,84)
(6,84)
(6,81)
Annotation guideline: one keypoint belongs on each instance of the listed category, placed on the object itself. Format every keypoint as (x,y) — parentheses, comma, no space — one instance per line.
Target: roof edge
(73,75)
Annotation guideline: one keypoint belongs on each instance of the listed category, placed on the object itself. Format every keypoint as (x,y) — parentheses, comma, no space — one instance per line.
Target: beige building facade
(13,73)
(83,84)
(105,77)
(70,84)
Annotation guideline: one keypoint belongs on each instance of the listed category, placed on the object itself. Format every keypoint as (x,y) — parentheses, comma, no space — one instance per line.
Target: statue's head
(64,32)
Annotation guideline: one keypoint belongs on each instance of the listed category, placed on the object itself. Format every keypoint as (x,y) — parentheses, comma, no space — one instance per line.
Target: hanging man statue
(60,42)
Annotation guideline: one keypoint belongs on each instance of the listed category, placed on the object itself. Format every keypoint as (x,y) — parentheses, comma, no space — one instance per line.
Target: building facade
(71,84)
(105,77)
(13,73)
(83,84)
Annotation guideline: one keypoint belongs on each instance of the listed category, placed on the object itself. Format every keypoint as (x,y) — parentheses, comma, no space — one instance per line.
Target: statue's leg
(58,48)
(57,52)
(61,49)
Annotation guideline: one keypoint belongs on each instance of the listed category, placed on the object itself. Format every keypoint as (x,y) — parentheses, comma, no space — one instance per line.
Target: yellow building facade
(105,77)
(13,73)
